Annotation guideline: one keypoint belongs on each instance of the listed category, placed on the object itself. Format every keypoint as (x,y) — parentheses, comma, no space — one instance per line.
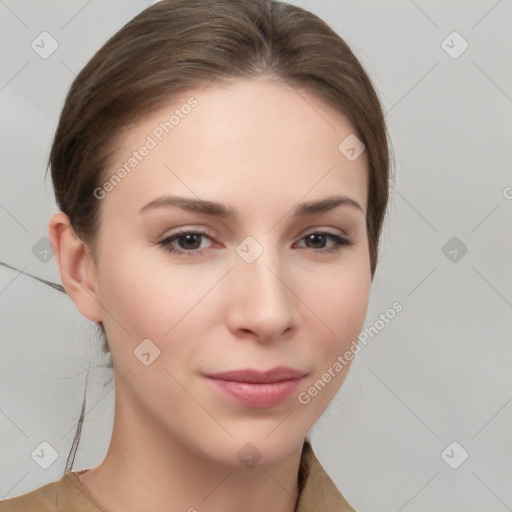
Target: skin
(260,147)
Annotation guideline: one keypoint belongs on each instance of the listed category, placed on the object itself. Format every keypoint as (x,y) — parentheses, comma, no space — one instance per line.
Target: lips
(255,388)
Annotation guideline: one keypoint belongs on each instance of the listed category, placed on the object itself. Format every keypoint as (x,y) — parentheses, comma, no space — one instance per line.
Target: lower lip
(259,396)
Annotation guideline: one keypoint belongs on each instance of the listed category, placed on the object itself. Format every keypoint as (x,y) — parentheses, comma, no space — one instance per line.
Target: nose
(262,301)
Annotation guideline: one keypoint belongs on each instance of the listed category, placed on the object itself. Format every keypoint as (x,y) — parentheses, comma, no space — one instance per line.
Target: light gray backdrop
(424,418)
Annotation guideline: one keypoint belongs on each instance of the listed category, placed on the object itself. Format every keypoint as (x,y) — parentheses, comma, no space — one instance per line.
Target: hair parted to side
(176,45)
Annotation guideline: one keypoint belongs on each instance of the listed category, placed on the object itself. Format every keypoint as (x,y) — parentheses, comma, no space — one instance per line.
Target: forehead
(249,138)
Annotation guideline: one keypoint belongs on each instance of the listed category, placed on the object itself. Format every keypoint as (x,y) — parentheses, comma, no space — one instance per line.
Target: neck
(147,468)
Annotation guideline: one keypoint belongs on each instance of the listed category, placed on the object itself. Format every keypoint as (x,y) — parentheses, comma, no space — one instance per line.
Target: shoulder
(43,499)
(63,495)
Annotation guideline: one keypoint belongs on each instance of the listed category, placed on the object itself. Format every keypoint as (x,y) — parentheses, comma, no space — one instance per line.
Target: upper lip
(278,374)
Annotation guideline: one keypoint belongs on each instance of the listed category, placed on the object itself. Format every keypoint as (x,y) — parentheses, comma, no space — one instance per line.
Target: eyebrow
(220,210)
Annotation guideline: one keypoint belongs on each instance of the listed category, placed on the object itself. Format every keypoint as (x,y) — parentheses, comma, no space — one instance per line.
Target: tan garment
(318,493)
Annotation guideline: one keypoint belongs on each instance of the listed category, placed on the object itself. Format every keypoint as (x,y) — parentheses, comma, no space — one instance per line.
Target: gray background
(439,372)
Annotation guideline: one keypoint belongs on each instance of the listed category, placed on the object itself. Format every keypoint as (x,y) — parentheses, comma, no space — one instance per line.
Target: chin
(252,448)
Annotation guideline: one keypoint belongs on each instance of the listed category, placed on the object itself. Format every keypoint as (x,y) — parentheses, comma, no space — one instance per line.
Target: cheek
(145,297)
(132,296)
(341,301)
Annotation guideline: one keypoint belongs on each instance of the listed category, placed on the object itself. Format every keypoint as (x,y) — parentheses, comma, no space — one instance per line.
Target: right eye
(190,242)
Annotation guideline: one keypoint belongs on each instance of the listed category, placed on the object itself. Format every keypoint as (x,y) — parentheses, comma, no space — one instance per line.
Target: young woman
(222,169)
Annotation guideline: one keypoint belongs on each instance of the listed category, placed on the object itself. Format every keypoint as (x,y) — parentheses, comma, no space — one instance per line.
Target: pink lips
(257,389)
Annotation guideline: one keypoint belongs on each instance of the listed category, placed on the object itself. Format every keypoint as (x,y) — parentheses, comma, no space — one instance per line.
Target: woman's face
(267,286)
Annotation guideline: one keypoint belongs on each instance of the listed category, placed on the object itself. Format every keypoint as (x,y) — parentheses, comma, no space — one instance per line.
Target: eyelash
(339,242)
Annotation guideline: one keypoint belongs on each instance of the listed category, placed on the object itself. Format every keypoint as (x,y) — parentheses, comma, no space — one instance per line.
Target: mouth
(255,388)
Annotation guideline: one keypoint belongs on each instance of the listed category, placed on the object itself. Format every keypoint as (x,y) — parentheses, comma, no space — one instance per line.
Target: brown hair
(179,44)
(176,45)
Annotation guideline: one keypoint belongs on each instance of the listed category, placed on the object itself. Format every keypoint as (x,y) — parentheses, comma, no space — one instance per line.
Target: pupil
(189,239)
(319,238)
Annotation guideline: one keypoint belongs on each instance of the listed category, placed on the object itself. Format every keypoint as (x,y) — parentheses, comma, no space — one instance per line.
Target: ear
(76,267)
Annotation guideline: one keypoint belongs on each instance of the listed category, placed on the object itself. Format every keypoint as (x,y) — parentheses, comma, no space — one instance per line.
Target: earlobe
(76,267)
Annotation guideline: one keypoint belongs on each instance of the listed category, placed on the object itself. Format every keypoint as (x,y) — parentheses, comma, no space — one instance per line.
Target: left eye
(319,238)
(189,242)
